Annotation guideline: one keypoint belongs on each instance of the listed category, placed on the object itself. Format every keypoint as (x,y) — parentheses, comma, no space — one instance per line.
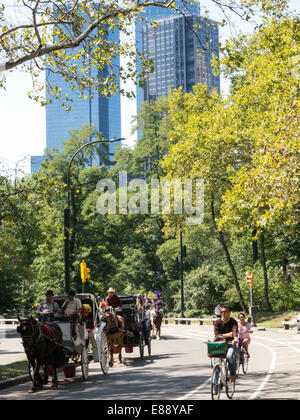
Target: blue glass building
(104,113)
(35,163)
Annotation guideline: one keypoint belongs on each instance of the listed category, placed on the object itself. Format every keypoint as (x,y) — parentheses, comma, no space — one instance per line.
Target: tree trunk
(229,261)
(263,262)
(254,246)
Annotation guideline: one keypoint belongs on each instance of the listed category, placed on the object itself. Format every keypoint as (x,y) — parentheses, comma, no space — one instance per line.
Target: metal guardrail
(288,324)
(188,321)
(8,321)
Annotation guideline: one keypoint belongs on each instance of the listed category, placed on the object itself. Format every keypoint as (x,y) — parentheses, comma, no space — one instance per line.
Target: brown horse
(115,330)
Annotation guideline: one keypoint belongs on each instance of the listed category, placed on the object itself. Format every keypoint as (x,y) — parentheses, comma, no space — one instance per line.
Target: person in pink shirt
(245,329)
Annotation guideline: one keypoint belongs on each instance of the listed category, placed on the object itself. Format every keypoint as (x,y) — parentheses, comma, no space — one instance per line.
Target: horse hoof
(32,391)
(110,364)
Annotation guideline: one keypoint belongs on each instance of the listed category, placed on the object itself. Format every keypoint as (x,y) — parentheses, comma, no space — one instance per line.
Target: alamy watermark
(160,196)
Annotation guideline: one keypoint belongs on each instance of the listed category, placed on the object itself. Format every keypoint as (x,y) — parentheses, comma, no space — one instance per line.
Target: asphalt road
(11,349)
(179,369)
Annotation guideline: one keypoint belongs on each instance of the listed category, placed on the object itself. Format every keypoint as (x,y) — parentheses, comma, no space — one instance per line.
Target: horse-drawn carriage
(137,323)
(84,334)
(60,341)
(127,327)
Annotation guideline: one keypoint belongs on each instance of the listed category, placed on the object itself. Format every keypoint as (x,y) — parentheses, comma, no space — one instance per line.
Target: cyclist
(245,329)
(227,328)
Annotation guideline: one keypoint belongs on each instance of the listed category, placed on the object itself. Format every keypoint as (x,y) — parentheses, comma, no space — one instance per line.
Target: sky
(23,121)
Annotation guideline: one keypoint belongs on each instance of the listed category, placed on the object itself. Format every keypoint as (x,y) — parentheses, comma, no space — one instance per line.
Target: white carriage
(78,336)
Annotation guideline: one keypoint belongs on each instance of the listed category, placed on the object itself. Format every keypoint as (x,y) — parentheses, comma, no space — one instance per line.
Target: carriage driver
(48,306)
(112,299)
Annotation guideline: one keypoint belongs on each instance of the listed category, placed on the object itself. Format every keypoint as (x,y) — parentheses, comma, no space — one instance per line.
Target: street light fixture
(67,210)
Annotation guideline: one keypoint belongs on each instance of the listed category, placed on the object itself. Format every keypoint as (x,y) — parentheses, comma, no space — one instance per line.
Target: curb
(14,381)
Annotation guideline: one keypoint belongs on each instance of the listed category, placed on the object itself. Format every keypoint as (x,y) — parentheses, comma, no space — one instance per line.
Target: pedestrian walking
(218,310)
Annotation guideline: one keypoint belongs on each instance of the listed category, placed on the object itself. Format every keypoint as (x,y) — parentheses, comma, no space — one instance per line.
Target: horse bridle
(27,340)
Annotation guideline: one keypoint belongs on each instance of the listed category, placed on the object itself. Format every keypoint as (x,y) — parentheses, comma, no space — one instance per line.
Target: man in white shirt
(72,305)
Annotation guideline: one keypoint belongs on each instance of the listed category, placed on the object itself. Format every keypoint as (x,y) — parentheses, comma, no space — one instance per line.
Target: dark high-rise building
(156,13)
(181,54)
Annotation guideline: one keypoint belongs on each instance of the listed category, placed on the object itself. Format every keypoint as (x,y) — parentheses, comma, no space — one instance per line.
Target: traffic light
(249,279)
(84,271)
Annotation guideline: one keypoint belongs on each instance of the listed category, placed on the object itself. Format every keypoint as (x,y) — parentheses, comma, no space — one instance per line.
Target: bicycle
(241,359)
(221,377)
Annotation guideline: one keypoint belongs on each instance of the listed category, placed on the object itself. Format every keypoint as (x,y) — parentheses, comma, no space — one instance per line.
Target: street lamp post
(181,278)
(67,210)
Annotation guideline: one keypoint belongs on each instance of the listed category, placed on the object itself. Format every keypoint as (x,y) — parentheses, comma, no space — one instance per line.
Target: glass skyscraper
(180,52)
(103,113)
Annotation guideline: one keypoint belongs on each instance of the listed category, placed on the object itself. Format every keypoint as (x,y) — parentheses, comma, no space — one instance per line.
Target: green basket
(216,348)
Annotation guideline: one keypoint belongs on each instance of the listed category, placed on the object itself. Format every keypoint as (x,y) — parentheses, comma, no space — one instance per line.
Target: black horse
(42,345)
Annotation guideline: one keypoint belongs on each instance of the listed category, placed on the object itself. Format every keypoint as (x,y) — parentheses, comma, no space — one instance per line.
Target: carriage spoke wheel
(85,364)
(104,354)
(141,345)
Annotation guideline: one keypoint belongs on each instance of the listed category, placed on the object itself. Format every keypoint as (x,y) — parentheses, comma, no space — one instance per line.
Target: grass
(13,369)
(275,319)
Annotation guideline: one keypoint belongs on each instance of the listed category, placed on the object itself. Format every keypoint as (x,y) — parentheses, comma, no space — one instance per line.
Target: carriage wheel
(141,345)
(104,354)
(85,364)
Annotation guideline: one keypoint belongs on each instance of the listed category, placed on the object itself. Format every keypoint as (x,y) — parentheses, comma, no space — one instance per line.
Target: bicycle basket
(216,348)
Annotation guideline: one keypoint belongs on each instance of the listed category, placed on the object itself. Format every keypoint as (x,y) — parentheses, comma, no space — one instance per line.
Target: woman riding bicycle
(245,329)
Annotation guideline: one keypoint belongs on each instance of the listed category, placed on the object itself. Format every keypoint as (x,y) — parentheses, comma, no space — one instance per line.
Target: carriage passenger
(72,306)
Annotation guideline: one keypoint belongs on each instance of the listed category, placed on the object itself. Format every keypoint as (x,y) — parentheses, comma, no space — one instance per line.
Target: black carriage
(136,322)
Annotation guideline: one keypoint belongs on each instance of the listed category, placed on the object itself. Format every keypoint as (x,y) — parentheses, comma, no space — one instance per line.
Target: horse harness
(115,329)
(37,331)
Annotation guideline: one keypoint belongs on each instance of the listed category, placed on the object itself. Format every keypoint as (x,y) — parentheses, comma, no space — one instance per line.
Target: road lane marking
(194,391)
(282,343)
(205,383)
(269,374)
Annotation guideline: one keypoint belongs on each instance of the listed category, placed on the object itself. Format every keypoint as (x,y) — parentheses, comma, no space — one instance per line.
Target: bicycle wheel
(215,387)
(238,362)
(230,386)
(245,363)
